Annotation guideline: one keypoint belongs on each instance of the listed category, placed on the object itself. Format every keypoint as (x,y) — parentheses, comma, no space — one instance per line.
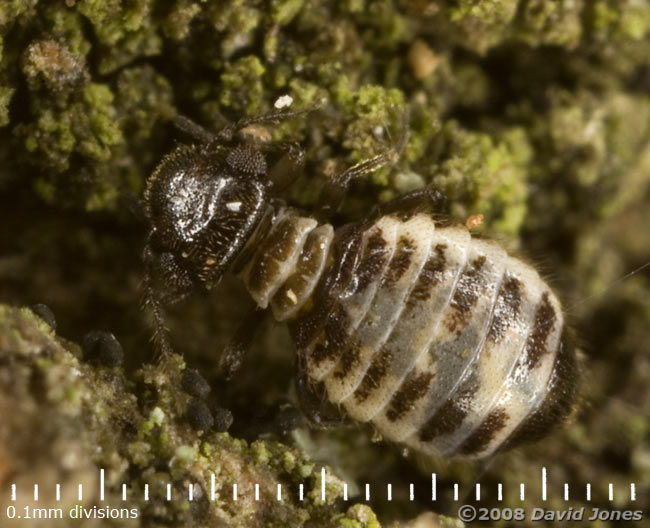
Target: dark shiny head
(203,203)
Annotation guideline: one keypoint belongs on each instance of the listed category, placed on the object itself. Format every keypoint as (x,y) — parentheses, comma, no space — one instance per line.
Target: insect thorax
(287,263)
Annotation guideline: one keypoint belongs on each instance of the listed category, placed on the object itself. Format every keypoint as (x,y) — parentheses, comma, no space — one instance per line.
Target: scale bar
(289,491)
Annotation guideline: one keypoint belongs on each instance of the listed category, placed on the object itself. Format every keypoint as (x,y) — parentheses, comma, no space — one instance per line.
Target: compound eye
(247,160)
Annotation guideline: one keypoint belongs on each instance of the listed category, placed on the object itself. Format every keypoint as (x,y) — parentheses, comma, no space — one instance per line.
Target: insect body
(443,342)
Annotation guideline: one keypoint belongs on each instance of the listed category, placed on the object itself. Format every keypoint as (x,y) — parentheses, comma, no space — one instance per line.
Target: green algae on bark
(146,443)
(248,83)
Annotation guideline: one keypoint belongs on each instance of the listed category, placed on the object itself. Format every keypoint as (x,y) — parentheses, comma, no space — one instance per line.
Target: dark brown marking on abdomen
(400,262)
(430,275)
(536,345)
(484,433)
(506,308)
(466,294)
(448,417)
(414,387)
(373,376)
(335,336)
(350,357)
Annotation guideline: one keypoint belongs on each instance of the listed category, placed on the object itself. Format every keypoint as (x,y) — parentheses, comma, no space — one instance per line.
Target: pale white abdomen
(442,341)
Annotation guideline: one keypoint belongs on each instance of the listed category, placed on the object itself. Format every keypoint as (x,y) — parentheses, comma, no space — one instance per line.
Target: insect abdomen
(442,341)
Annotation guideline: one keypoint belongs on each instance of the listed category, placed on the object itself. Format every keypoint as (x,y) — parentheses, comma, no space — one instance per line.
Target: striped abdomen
(442,341)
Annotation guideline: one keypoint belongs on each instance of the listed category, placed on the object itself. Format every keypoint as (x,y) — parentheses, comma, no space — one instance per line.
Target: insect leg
(429,198)
(334,190)
(179,286)
(313,403)
(233,354)
(161,333)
